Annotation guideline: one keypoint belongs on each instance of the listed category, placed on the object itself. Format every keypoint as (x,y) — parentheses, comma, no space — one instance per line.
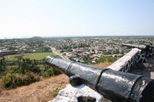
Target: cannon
(113,85)
(147,49)
(136,46)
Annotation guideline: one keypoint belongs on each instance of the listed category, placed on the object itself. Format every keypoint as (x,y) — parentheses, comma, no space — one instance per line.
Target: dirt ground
(103,65)
(41,91)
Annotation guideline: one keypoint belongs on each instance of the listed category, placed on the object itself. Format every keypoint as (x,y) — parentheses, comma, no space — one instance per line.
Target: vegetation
(106,59)
(55,93)
(36,56)
(18,70)
(12,80)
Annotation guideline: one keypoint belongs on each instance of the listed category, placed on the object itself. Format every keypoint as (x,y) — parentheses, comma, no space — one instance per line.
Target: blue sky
(27,18)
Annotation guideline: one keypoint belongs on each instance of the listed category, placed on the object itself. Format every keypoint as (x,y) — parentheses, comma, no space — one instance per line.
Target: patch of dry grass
(103,64)
(41,91)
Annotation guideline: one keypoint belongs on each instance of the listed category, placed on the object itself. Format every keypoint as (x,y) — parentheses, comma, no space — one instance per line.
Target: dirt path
(41,91)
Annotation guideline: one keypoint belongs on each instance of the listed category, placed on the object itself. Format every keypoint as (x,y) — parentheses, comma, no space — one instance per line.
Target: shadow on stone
(146,69)
(86,99)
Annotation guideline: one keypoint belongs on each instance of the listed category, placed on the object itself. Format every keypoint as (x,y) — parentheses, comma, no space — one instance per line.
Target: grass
(102,64)
(106,59)
(55,92)
(12,66)
(36,56)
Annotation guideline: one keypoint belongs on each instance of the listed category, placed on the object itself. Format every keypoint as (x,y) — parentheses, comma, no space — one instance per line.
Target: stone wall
(129,61)
(126,62)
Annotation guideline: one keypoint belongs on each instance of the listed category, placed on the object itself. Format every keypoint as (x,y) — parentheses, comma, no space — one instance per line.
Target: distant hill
(36,37)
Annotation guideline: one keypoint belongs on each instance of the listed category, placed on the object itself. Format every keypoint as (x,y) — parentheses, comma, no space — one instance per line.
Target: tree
(11,48)
(2,63)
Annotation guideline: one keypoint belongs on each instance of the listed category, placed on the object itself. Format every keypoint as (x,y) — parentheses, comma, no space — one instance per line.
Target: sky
(58,18)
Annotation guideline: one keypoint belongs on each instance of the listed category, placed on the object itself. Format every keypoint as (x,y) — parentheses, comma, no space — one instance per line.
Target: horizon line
(81,36)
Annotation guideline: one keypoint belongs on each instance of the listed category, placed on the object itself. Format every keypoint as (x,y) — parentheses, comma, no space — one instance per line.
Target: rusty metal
(113,85)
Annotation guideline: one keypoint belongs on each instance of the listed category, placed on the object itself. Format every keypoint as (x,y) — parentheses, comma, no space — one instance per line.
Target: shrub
(12,80)
(51,72)
(7,80)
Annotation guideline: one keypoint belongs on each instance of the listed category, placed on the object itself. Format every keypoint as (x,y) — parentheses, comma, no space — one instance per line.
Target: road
(58,53)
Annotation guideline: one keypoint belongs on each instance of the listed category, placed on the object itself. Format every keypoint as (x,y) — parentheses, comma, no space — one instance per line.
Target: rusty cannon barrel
(113,85)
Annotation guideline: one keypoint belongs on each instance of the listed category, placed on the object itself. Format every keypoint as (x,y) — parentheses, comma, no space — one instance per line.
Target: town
(89,50)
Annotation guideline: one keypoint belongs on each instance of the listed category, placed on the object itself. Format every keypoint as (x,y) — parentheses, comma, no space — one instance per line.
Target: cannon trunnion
(113,85)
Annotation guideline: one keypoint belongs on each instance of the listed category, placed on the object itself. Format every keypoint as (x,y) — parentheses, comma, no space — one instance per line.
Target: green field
(36,56)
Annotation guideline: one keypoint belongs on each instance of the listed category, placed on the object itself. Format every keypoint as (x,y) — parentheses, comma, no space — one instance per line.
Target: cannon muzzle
(113,85)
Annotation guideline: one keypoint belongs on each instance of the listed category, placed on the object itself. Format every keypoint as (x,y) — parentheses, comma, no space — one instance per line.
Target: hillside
(41,91)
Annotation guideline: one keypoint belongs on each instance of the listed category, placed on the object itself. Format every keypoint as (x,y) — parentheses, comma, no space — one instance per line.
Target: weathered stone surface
(72,94)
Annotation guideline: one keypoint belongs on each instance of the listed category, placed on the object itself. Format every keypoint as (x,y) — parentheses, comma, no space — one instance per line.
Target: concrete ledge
(126,62)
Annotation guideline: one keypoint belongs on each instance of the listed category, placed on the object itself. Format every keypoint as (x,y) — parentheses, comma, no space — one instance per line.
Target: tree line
(24,71)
